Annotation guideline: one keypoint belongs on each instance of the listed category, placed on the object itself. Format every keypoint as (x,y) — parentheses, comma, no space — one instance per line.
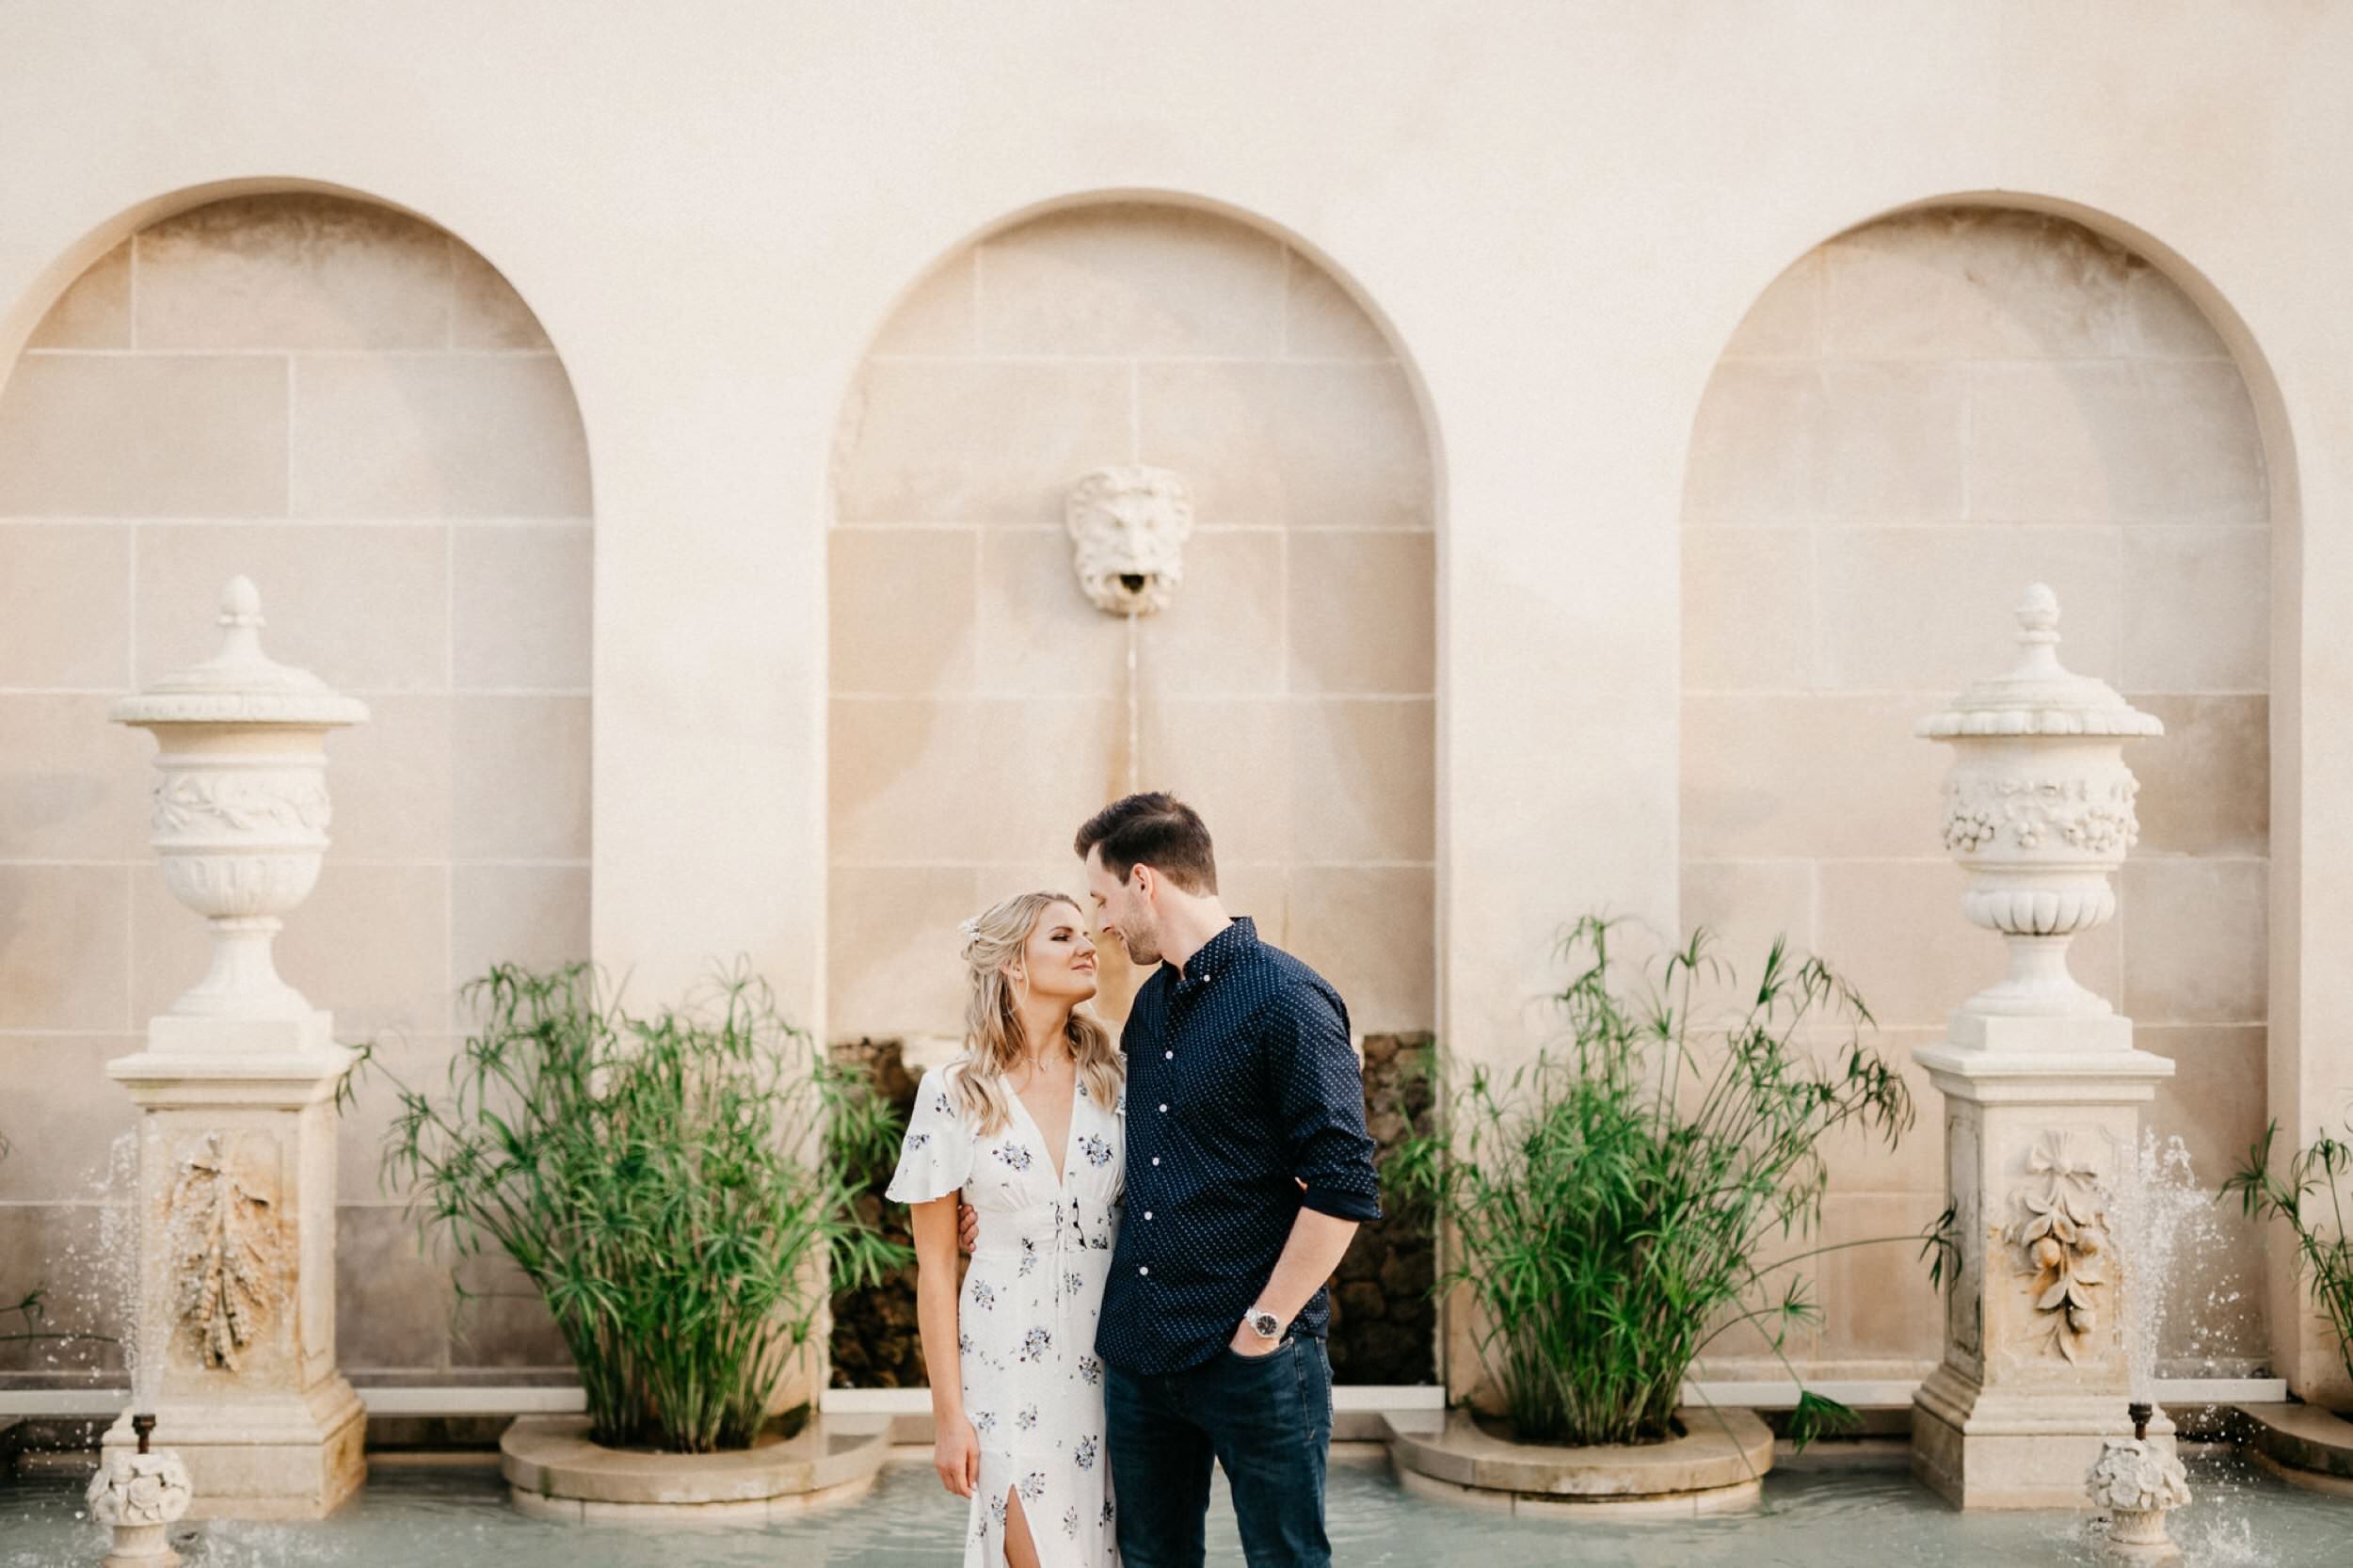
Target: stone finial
(1128,525)
(2037,615)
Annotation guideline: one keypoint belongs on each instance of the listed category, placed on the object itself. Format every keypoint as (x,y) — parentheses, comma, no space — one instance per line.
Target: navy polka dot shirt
(1239,1078)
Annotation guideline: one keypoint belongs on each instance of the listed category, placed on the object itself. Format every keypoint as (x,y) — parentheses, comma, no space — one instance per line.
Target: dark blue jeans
(1268,1420)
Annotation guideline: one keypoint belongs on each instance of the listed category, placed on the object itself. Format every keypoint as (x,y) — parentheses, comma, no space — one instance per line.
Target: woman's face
(1059,957)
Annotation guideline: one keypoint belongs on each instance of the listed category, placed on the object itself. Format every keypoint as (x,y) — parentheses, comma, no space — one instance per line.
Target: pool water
(425,1518)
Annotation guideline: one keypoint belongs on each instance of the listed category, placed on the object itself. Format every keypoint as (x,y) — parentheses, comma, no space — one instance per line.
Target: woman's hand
(956,1455)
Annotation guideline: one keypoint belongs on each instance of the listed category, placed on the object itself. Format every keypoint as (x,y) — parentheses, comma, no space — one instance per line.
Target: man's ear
(1147,880)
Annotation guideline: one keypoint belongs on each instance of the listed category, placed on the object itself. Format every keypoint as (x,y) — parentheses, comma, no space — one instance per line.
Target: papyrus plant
(2309,1196)
(655,1179)
(1632,1193)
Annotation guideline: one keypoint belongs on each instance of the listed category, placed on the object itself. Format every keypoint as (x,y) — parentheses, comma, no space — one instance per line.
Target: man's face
(1122,912)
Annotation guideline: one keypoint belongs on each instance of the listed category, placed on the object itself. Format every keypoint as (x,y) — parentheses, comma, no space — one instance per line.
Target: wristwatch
(1265,1324)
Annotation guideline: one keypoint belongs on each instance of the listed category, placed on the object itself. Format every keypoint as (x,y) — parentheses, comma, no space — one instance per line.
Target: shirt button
(1144,1268)
(1156,1160)
(1169,1054)
(1164,1110)
(1148,1213)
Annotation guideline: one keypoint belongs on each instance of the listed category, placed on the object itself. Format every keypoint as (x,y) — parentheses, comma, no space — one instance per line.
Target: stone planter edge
(1718,1463)
(554,1471)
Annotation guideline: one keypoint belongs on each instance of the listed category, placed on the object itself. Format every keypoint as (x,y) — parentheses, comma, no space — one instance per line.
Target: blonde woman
(1026,1126)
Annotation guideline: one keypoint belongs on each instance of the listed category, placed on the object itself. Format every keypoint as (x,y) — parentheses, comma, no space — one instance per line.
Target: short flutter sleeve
(936,1155)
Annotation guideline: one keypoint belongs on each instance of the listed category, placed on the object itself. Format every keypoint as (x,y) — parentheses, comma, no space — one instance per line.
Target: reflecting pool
(414,1516)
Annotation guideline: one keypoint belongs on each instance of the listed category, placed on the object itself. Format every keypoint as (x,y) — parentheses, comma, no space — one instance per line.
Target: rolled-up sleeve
(1319,1091)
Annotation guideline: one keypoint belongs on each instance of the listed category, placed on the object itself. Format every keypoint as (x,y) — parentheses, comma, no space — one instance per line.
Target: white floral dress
(1033,1384)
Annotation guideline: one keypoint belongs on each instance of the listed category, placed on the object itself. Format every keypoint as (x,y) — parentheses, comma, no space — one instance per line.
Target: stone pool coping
(2303,1444)
(554,1471)
(1716,1465)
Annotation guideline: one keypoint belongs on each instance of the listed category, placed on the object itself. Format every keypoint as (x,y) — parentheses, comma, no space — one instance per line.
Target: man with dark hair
(1248,1171)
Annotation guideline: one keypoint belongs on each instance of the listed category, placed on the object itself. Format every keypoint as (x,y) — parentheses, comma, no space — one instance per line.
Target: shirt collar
(1220,952)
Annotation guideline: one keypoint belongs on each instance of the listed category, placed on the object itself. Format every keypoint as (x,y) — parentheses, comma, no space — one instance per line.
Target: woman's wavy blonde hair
(993,1038)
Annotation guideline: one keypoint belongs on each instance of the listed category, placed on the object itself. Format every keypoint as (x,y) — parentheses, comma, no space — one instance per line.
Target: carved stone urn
(2043,1088)
(2038,812)
(138,1496)
(1128,525)
(239,807)
(235,1340)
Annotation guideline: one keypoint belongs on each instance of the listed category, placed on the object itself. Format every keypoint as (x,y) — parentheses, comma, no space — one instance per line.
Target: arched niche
(349,405)
(1290,690)
(1916,419)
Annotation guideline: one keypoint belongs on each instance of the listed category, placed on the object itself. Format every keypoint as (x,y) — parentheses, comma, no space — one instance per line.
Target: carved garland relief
(227,1253)
(2061,1231)
(2093,816)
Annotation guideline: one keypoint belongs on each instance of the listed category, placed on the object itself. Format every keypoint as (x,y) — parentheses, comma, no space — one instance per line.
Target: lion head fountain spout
(1128,526)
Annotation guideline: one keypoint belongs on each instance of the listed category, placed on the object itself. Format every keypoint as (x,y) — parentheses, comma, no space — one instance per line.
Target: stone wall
(1914,423)
(977,712)
(1383,1321)
(352,408)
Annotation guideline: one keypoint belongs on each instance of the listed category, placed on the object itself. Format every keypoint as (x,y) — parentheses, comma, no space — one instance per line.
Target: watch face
(1264,1323)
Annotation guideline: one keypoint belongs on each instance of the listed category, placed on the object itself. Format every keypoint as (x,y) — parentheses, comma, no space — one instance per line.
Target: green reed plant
(1616,1205)
(2314,1178)
(657,1179)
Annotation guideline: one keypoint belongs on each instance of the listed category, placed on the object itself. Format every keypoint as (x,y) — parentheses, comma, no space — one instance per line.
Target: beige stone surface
(76,631)
(390,778)
(381,436)
(1230,629)
(95,310)
(72,787)
(518,777)
(392,1302)
(1361,781)
(61,1137)
(2206,788)
(918,780)
(293,272)
(1750,622)
(1876,1299)
(926,643)
(2157,440)
(976,441)
(484,310)
(891,957)
(2197,610)
(1924,609)
(535,916)
(64,936)
(519,607)
(1321,320)
(939,313)
(1302,445)
(1360,612)
(1820,776)
(133,435)
(1131,281)
(364,609)
(2194,947)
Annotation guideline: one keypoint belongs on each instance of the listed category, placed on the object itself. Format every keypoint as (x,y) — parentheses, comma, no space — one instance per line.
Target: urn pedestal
(2042,1091)
(233,1346)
